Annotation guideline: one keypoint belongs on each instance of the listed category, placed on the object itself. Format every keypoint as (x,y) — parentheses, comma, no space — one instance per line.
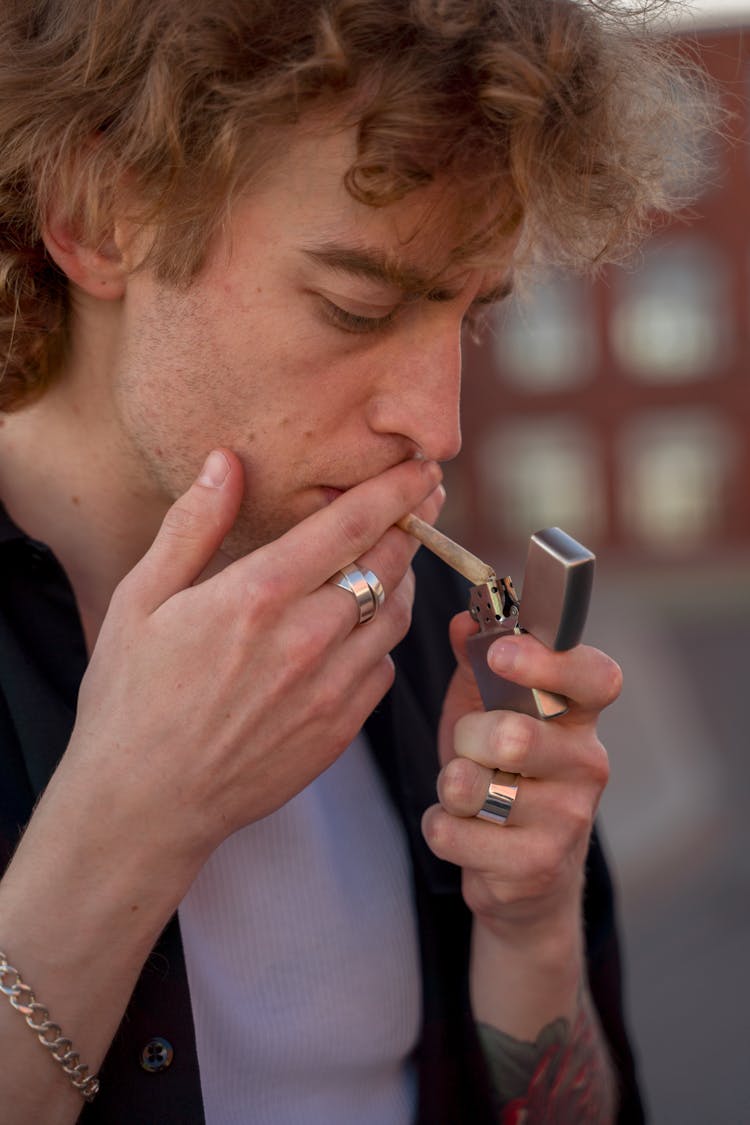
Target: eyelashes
(474,321)
(352,322)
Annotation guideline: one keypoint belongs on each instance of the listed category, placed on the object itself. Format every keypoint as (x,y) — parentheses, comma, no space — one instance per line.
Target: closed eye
(354,322)
(358,324)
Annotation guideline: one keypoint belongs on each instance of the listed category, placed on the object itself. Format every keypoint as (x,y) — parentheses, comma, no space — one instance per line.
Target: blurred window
(672,320)
(539,473)
(674,470)
(546,340)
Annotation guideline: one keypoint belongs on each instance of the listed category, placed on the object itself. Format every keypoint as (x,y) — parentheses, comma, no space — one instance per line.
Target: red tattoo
(570,1084)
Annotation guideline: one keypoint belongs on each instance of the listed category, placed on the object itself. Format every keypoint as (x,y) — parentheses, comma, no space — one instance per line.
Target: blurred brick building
(620,409)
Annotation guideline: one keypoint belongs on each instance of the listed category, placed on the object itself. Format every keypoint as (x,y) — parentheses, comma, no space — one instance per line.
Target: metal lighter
(553,606)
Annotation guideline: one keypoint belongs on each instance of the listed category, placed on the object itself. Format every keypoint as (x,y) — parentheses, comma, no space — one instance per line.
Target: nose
(418,393)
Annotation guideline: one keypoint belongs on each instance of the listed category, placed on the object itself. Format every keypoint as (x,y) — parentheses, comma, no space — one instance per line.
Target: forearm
(539,1032)
(80,909)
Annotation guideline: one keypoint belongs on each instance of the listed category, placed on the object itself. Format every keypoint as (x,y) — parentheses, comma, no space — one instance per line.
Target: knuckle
(513,738)
(438,833)
(480,898)
(612,680)
(122,595)
(316,637)
(266,585)
(324,704)
(544,868)
(256,603)
(292,666)
(127,597)
(355,531)
(181,520)
(580,817)
(457,783)
(599,765)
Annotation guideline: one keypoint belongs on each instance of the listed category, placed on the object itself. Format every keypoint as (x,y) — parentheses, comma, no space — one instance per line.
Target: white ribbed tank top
(302,955)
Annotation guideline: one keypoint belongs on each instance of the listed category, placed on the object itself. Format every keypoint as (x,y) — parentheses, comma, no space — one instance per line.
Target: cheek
(206,368)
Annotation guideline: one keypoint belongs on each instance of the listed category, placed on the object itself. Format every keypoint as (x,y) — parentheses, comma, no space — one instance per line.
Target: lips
(331,493)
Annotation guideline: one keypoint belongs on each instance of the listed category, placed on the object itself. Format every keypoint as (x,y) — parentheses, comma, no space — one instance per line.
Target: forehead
(433,234)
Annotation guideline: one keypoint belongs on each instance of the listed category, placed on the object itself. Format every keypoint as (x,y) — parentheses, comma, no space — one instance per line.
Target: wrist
(82,856)
(552,930)
(136,821)
(520,985)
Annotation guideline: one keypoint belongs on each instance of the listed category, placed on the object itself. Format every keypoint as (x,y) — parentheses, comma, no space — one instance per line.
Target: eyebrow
(375,266)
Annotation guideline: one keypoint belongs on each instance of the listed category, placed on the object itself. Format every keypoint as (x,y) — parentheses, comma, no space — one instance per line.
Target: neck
(67,479)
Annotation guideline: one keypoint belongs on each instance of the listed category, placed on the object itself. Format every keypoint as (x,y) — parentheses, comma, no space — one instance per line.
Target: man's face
(321,342)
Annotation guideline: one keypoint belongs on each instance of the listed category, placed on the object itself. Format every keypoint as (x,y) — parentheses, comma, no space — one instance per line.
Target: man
(246,236)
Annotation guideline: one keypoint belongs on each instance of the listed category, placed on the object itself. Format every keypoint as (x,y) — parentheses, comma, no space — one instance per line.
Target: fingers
(504,740)
(478,845)
(557,812)
(387,628)
(301,560)
(586,677)
(191,533)
(517,743)
(545,755)
(389,560)
(462,786)
(469,843)
(429,509)
(531,865)
(348,528)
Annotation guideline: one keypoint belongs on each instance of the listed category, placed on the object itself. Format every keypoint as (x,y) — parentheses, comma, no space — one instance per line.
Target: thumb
(192,531)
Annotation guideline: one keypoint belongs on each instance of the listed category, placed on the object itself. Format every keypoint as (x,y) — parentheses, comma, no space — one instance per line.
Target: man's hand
(208,706)
(529,872)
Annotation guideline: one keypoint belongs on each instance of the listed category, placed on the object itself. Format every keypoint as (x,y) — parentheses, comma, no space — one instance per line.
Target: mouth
(331,492)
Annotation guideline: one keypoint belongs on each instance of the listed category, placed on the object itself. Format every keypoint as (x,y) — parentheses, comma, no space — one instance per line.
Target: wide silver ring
(376,586)
(501,796)
(369,595)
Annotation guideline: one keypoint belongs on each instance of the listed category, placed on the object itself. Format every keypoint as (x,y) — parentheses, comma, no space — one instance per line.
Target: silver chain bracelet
(48,1033)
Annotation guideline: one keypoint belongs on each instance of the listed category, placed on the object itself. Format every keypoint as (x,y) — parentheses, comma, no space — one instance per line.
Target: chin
(253,529)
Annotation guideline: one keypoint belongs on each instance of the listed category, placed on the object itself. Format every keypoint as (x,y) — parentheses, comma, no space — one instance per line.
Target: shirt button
(157,1055)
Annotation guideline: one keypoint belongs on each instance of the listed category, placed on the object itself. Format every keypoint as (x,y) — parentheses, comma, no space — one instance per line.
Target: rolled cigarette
(456,556)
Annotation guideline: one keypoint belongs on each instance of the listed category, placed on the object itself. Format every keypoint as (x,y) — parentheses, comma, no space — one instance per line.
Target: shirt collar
(8,530)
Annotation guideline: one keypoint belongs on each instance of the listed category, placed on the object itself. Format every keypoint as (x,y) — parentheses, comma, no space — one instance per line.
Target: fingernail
(502,655)
(215,470)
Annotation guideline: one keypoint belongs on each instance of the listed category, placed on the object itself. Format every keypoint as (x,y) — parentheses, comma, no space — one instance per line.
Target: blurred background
(620,410)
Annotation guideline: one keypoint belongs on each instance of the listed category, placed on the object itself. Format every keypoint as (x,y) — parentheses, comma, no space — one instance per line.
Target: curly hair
(572,106)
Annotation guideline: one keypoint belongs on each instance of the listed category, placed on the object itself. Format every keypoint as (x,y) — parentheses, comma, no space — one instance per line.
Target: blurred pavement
(675,819)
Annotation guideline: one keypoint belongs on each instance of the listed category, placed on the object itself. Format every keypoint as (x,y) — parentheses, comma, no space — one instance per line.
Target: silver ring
(376,586)
(501,796)
(368,600)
